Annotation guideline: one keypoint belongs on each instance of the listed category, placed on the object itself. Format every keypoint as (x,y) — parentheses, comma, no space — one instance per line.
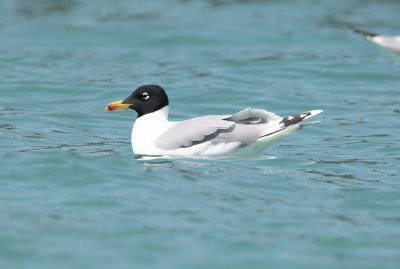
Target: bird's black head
(144,100)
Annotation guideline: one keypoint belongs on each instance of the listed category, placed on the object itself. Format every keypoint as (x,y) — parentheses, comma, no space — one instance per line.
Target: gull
(247,131)
(389,42)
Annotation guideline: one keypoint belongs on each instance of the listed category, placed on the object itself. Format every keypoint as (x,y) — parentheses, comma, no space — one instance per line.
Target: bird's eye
(145,96)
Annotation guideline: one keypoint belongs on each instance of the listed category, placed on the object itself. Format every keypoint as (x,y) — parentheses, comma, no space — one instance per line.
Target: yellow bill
(116,105)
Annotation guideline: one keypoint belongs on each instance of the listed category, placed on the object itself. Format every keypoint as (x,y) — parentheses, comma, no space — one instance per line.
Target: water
(74,196)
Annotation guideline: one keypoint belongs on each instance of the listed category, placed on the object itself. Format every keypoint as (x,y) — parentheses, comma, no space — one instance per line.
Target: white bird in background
(247,131)
(389,42)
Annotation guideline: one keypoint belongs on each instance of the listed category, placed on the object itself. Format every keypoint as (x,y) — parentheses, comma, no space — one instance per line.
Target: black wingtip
(290,120)
(362,32)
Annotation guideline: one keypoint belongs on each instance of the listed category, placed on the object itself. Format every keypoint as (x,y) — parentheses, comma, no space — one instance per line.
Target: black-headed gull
(249,130)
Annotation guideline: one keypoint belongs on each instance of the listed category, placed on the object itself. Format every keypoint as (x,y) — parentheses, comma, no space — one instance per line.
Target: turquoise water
(72,194)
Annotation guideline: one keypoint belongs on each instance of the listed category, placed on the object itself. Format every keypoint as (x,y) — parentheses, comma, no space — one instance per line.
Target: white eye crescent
(145,96)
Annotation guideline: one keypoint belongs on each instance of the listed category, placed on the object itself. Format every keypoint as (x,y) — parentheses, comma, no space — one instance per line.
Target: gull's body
(249,130)
(388,42)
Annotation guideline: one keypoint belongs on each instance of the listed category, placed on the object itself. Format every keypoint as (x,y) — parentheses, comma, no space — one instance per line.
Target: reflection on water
(29,9)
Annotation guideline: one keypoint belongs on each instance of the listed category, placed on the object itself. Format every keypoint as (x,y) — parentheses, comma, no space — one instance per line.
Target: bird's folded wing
(253,116)
(194,131)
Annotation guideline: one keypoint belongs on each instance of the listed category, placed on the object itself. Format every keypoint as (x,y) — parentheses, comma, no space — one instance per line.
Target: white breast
(147,129)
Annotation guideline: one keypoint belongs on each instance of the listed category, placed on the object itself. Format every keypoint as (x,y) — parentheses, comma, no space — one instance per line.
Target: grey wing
(194,131)
(246,126)
(253,116)
(250,125)
(254,124)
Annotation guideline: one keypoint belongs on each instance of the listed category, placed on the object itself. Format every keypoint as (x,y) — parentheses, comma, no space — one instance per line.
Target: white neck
(156,115)
(148,128)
